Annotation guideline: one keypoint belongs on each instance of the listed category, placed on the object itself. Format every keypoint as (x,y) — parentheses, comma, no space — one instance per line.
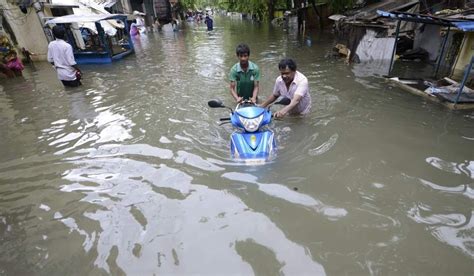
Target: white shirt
(60,52)
(140,21)
(299,86)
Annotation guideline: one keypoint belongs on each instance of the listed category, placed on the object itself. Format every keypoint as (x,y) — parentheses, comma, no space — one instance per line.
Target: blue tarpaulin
(417,18)
(467,26)
(464,25)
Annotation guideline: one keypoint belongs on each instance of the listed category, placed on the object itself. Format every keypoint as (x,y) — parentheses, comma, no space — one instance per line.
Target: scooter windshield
(250,112)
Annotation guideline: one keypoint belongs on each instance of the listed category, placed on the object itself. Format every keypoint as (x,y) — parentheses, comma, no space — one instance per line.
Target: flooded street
(131,173)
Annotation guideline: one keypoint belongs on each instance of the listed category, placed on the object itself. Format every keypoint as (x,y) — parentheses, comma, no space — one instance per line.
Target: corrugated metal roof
(370,12)
(464,25)
(418,18)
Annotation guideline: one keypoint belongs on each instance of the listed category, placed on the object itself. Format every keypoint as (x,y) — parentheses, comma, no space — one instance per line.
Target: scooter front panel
(258,145)
(249,113)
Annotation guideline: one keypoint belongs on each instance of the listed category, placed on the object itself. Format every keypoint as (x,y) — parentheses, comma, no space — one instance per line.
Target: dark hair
(242,49)
(59,32)
(287,63)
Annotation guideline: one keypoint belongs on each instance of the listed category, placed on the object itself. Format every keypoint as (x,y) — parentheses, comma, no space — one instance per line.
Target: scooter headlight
(251,125)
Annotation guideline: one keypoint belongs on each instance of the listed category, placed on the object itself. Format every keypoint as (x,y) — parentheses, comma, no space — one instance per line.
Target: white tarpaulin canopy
(87,20)
(79,18)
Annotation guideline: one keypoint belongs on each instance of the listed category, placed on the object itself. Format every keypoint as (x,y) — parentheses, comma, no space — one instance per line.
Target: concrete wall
(374,54)
(429,38)
(372,48)
(27,29)
(127,7)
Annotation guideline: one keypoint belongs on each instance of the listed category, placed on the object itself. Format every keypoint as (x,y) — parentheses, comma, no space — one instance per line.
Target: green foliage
(282,4)
(198,4)
(248,6)
(260,8)
(339,6)
(187,4)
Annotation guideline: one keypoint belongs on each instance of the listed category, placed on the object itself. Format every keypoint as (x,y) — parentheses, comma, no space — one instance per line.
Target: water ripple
(325,146)
(283,192)
(463,189)
(454,229)
(466,168)
(131,174)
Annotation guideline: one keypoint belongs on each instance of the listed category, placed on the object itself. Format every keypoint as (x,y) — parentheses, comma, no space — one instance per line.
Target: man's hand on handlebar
(279,114)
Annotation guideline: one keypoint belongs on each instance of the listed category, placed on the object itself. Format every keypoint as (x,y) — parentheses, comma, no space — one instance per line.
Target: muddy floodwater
(131,172)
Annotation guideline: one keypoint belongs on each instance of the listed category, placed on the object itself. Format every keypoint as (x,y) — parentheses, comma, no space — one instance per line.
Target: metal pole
(468,70)
(442,52)
(394,47)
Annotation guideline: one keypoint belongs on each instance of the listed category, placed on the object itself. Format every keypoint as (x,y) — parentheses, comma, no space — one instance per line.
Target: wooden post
(466,75)
(441,54)
(394,47)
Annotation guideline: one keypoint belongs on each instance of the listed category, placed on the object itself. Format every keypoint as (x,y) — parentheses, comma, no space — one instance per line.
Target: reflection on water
(466,167)
(149,209)
(283,192)
(131,173)
(455,230)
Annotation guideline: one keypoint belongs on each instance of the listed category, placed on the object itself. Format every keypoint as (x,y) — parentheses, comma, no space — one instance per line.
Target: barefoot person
(60,55)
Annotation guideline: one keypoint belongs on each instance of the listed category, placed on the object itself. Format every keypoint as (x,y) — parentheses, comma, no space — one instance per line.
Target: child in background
(27,54)
(14,63)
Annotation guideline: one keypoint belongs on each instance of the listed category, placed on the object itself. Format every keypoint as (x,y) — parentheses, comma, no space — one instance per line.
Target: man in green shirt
(244,76)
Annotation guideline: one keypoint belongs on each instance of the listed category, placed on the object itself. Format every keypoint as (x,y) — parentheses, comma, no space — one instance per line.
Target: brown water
(131,174)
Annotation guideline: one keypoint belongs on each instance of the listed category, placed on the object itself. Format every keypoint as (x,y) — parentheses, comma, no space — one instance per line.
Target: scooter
(252,142)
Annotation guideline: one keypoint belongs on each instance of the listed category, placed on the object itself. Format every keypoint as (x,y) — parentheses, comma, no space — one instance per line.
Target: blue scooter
(252,142)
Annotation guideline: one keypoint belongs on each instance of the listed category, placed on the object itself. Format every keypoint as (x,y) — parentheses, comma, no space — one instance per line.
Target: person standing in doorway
(61,56)
(244,76)
(293,85)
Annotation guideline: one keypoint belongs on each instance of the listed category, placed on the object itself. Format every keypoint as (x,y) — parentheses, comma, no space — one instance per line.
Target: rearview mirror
(284,101)
(215,103)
